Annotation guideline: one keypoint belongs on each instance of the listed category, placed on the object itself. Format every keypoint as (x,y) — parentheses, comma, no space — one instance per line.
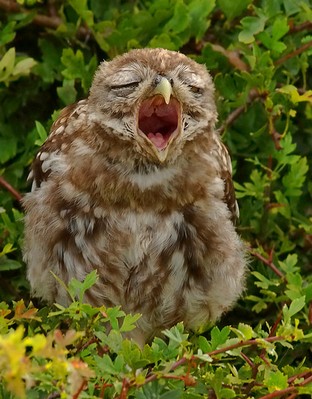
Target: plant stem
(10,189)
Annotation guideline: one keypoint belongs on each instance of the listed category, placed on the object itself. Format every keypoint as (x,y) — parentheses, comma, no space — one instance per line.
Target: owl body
(134,182)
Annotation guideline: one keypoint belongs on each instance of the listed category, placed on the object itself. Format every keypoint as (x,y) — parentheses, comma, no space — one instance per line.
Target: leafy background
(259,53)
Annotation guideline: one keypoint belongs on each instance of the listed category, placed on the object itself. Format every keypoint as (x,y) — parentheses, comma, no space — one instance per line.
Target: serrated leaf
(7,249)
(128,323)
(246,331)
(78,288)
(23,67)
(41,132)
(218,337)
(7,33)
(251,26)
(293,181)
(233,9)
(199,11)
(173,394)
(7,64)
(279,28)
(8,148)
(180,19)
(9,264)
(176,334)
(204,344)
(67,92)
(295,97)
(276,380)
(296,305)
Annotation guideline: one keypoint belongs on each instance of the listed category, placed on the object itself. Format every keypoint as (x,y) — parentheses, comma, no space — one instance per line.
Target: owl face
(154,98)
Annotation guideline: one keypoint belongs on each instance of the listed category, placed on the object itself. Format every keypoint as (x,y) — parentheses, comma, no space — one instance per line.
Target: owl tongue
(158,140)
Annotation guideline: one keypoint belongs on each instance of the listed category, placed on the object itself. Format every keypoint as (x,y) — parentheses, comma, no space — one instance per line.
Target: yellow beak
(164,88)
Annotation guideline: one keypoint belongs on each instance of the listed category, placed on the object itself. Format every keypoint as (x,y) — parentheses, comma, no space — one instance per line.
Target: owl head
(155,99)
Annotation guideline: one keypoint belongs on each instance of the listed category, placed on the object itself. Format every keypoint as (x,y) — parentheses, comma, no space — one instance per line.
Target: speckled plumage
(134,182)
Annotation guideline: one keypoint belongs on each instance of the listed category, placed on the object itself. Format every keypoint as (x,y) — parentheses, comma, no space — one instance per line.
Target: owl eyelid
(125,85)
(196,89)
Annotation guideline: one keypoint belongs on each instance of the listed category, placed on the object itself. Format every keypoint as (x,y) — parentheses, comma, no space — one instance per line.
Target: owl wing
(225,171)
(43,164)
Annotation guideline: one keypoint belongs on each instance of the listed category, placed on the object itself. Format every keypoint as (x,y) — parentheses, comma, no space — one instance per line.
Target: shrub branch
(184,359)
(10,189)
(268,262)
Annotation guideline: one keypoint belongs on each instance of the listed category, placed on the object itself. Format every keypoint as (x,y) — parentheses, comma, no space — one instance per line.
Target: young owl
(134,182)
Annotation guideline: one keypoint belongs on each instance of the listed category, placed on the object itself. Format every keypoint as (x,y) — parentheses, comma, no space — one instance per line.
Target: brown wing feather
(226,176)
(52,144)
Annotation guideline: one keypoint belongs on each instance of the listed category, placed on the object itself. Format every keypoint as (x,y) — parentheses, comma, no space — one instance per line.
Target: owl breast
(165,266)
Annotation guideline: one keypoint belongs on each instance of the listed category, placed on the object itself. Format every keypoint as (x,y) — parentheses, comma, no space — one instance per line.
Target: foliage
(259,53)
(79,351)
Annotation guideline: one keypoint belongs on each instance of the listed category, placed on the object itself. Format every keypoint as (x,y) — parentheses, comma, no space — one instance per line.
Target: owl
(134,182)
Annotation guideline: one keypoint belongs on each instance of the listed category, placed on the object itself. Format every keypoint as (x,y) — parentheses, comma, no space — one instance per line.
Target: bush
(259,53)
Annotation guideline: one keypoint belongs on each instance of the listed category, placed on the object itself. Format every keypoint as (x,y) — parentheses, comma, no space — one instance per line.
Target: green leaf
(293,181)
(76,68)
(198,11)
(291,7)
(7,33)
(289,264)
(176,334)
(204,344)
(218,337)
(7,65)
(8,148)
(296,305)
(295,97)
(276,380)
(9,264)
(251,26)
(68,92)
(23,67)
(78,288)
(41,132)
(81,7)
(174,394)
(279,28)
(180,19)
(233,9)
(128,323)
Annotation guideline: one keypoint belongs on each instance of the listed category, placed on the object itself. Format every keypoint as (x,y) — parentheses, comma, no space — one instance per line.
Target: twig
(54,395)
(10,189)
(232,56)
(310,312)
(46,21)
(268,262)
(292,396)
(249,361)
(307,373)
(292,389)
(249,342)
(80,389)
(103,388)
(183,360)
(253,94)
(307,25)
(278,393)
(124,389)
(298,51)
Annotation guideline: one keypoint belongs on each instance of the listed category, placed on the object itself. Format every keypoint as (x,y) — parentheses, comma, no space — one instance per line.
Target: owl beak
(159,124)
(164,88)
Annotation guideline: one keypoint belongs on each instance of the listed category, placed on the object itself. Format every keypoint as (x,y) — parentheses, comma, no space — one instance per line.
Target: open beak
(159,119)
